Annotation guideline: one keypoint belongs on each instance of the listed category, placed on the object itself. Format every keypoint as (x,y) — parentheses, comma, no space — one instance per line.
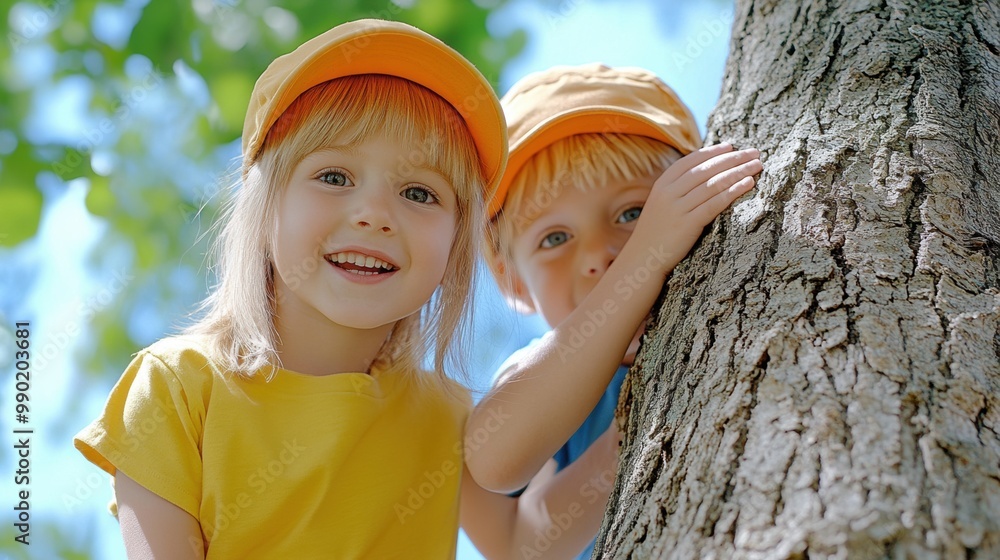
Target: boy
(588,150)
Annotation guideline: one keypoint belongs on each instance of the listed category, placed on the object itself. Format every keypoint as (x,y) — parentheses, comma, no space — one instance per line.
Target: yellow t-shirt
(341,466)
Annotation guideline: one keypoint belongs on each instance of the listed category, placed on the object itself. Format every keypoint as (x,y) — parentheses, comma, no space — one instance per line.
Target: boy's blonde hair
(239,314)
(582,161)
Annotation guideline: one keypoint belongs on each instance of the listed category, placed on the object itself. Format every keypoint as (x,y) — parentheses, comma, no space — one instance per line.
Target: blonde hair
(239,313)
(583,161)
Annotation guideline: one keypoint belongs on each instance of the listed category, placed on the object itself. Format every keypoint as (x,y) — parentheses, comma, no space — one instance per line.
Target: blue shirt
(591,429)
(597,423)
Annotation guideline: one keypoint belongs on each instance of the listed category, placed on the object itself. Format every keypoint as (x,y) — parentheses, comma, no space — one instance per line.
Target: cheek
(280,241)
(288,221)
(440,244)
(621,236)
(286,241)
(548,282)
(297,239)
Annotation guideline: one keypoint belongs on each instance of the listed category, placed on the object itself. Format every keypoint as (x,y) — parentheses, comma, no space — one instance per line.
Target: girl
(293,421)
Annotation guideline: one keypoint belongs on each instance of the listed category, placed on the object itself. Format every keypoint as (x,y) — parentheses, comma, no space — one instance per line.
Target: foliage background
(119,128)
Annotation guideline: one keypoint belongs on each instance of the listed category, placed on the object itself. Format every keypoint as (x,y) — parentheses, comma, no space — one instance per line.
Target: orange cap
(548,106)
(372,46)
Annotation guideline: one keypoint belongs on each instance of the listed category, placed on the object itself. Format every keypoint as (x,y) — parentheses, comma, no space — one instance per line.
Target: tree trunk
(823,376)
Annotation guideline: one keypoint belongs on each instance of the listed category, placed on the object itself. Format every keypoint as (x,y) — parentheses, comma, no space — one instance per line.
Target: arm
(557,515)
(153,527)
(558,385)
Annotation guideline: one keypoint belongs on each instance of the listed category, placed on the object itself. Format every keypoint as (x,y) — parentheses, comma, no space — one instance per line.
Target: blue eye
(630,215)
(419,194)
(335,178)
(554,239)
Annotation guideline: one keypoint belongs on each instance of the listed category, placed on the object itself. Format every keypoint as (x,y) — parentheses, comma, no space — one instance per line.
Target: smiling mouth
(362,265)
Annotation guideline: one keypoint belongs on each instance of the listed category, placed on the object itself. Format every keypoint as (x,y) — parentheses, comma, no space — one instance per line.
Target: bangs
(586,162)
(351,110)
(344,113)
(582,161)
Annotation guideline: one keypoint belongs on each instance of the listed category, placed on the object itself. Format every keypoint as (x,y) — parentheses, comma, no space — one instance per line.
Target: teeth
(360,260)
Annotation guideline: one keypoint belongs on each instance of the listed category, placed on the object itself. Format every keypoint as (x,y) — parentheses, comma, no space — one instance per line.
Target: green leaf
(100,200)
(232,93)
(20,212)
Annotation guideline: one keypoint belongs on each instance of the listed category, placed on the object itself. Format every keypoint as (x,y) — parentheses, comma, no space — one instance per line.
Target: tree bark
(822,379)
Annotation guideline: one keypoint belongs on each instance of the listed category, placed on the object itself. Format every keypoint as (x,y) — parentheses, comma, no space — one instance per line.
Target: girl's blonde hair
(239,314)
(584,161)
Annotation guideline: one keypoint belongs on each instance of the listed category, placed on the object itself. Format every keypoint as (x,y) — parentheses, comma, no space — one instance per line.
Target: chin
(363,320)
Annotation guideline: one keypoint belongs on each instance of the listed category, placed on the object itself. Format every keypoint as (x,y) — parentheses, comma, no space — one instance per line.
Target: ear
(511,287)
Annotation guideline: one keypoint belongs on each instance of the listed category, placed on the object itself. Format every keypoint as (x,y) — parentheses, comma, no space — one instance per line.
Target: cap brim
(396,49)
(590,120)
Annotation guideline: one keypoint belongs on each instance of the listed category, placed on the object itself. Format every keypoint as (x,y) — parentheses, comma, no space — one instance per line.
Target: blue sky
(684,43)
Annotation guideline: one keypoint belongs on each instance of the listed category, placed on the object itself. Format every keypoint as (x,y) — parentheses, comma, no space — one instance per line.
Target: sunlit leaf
(20,212)
(100,200)
(232,92)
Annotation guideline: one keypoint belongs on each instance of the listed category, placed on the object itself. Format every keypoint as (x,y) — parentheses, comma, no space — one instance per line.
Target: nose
(373,211)
(598,251)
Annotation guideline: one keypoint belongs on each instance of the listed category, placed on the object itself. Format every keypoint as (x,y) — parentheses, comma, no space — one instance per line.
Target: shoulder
(178,344)
(442,391)
(520,355)
(457,393)
(184,358)
(450,391)
(180,349)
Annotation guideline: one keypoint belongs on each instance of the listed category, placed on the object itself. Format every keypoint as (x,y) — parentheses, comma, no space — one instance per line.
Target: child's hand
(693,191)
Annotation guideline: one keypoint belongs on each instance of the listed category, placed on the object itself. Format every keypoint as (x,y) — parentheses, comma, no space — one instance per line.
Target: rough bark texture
(823,377)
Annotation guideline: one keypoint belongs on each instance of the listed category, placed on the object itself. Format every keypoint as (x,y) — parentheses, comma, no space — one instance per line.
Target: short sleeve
(147,430)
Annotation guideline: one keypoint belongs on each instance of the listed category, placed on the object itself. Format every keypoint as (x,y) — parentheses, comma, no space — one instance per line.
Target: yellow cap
(548,106)
(372,46)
